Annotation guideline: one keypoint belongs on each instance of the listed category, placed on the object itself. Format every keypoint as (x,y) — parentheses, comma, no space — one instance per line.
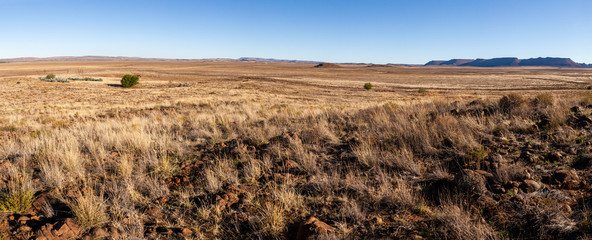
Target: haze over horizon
(332,31)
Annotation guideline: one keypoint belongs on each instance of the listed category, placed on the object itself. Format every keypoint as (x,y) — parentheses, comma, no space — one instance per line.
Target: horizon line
(262,59)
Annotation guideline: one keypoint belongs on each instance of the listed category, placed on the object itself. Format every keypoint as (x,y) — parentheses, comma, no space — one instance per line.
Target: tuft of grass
(422,90)
(273,219)
(461,224)
(368,86)
(586,101)
(88,208)
(543,100)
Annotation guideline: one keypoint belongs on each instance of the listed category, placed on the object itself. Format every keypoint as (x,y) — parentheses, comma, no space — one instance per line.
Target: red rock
(312,227)
(529,186)
(62,230)
(25,228)
(162,200)
(227,200)
(23,219)
(114,232)
(567,179)
(186,232)
(99,232)
(485,174)
(4,226)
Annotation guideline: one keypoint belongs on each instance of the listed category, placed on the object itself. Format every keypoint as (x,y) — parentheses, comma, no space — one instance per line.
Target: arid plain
(260,150)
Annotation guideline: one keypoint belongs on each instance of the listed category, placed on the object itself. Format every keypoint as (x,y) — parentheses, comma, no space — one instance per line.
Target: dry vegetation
(288,151)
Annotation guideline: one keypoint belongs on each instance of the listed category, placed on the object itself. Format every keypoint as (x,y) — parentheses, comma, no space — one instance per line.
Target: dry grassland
(257,150)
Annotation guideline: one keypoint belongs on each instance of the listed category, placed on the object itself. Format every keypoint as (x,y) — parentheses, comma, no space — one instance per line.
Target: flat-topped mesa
(510,62)
(451,62)
(494,62)
(555,62)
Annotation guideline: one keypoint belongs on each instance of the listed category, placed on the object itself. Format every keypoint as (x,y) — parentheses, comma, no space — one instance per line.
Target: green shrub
(129,80)
(368,86)
(421,90)
(50,76)
(60,80)
(17,199)
(86,79)
(477,154)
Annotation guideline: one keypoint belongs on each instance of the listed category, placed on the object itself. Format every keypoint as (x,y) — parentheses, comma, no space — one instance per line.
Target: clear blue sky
(387,31)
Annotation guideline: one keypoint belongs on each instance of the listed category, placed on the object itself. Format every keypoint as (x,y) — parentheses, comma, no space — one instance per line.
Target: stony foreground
(510,168)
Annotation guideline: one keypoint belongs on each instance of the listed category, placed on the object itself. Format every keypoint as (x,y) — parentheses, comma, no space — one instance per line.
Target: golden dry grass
(254,148)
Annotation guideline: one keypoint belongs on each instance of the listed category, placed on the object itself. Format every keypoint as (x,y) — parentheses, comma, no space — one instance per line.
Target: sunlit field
(272,150)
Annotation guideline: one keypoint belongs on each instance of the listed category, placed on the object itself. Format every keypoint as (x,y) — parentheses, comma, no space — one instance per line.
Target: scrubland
(286,151)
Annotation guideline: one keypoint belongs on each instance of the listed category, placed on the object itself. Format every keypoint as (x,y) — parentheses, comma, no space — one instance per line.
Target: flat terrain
(275,150)
(263,82)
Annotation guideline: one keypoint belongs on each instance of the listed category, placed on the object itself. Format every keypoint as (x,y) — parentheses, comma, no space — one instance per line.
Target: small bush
(586,101)
(18,198)
(129,80)
(60,80)
(17,202)
(421,90)
(368,86)
(510,102)
(184,84)
(86,79)
(476,155)
(50,76)
(545,100)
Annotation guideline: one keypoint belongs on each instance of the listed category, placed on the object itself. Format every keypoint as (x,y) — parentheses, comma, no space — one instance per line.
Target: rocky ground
(513,168)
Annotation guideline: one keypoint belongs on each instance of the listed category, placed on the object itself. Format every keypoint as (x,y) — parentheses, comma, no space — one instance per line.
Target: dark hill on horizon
(451,62)
(510,62)
(327,65)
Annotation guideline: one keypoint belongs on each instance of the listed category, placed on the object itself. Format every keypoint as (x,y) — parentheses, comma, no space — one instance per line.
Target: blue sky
(395,31)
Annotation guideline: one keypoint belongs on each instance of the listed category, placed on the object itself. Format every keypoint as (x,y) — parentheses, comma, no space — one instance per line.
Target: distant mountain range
(510,62)
(256,59)
(494,62)
(107,58)
(82,58)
